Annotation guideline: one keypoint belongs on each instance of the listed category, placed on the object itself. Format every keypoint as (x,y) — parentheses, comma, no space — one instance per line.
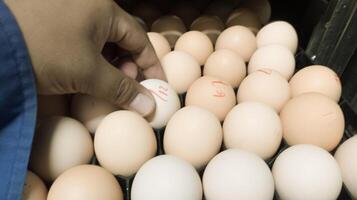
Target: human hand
(65,39)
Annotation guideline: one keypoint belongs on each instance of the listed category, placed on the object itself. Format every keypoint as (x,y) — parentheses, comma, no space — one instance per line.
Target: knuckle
(125,91)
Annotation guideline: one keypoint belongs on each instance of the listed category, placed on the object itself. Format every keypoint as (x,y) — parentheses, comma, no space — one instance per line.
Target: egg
(226,65)
(346,158)
(166,99)
(166,177)
(147,12)
(238,39)
(244,17)
(170,26)
(85,182)
(52,105)
(59,144)
(278,32)
(193,134)
(306,172)
(196,44)
(90,110)
(262,8)
(210,25)
(265,86)
(34,188)
(123,142)
(316,78)
(160,44)
(275,57)
(253,127)
(186,11)
(181,70)
(212,94)
(219,8)
(236,174)
(312,118)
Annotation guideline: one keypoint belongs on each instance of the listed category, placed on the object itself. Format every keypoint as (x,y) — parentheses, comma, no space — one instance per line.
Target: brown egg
(34,188)
(313,118)
(195,43)
(186,11)
(316,78)
(244,17)
(123,142)
(59,144)
(265,86)
(226,65)
(147,12)
(85,182)
(278,32)
(52,105)
(262,9)
(212,94)
(210,25)
(90,110)
(275,57)
(193,134)
(219,8)
(239,39)
(170,26)
(181,70)
(160,44)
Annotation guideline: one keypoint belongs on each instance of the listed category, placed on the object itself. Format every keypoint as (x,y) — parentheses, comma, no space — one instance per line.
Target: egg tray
(301,61)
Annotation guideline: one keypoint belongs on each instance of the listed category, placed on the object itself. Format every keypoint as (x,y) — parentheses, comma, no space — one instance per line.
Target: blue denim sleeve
(18,105)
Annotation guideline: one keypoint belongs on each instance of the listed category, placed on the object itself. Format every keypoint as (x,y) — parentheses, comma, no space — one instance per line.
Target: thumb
(108,82)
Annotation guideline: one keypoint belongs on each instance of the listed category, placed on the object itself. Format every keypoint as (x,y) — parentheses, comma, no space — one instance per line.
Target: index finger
(127,33)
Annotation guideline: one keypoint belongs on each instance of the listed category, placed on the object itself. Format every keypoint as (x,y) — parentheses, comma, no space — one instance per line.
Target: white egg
(166,178)
(167,102)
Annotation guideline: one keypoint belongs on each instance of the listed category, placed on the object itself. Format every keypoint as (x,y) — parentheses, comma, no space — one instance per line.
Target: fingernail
(142,104)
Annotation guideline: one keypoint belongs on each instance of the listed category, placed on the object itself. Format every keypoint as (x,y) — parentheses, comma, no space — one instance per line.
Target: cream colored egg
(90,110)
(85,182)
(213,94)
(279,32)
(238,39)
(244,17)
(34,188)
(347,160)
(262,8)
(170,26)
(196,44)
(160,44)
(226,65)
(59,144)
(312,118)
(52,105)
(275,57)
(167,102)
(166,177)
(235,174)
(193,134)
(210,25)
(253,127)
(123,142)
(181,70)
(316,78)
(265,86)
(307,172)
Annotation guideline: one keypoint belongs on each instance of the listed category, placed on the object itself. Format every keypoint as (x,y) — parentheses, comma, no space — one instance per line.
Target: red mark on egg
(161,93)
(219,92)
(265,71)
